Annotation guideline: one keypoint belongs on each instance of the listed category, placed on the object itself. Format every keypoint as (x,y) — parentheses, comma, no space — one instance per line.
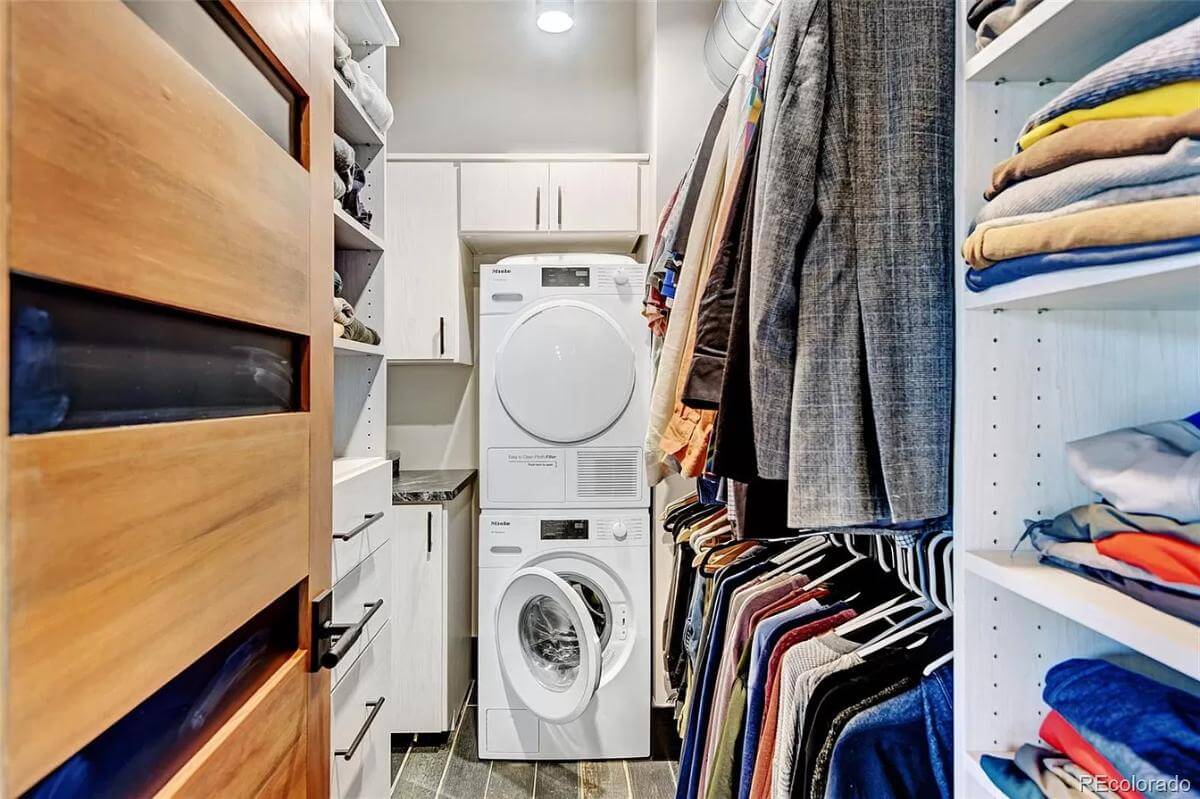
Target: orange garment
(1059,733)
(686,438)
(1166,557)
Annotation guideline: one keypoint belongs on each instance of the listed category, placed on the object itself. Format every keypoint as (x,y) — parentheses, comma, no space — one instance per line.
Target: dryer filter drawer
(593,476)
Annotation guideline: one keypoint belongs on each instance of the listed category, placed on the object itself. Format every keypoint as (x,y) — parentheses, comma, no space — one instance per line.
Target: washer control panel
(504,534)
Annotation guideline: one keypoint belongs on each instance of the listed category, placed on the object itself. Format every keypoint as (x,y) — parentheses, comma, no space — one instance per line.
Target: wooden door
(595,197)
(157,188)
(505,197)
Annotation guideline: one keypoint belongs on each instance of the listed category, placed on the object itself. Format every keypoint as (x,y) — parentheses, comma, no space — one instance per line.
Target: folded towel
(341,47)
(1085,180)
(981,8)
(337,284)
(1132,223)
(369,95)
(1001,19)
(343,156)
(1169,58)
(1043,263)
(343,314)
(1099,138)
(1161,101)
(339,186)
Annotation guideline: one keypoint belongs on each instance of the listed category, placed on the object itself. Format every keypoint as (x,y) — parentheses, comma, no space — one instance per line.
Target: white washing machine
(564,634)
(564,391)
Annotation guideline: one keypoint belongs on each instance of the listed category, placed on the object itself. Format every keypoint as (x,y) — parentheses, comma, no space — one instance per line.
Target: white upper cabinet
(505,197)
(428,304)
(594,196)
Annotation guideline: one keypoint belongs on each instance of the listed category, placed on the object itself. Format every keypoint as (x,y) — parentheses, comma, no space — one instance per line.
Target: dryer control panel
(504,288)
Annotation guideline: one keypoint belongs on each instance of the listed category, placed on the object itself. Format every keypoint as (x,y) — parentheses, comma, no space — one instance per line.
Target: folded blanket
(1152,468)
(1084,180)
(1122,195)
(1089,554)
(1042,263)
(1000,20)
(1169,100)
(1169,58)
(1088,141)
(1153,220)
(1097,522)
(369,95)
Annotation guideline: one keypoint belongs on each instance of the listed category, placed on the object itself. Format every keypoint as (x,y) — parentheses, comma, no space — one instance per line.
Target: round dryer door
(548,648)
(565,371)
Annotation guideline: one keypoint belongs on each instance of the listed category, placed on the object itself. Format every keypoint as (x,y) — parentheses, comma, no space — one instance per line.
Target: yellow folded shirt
(1165,101)
(1115,225)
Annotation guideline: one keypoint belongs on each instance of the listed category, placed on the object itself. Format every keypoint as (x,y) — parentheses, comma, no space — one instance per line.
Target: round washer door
(548,649)
(565,371)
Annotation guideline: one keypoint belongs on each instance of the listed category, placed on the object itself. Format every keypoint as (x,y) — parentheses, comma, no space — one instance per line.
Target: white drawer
(366,584)
(355,501)
(367,774)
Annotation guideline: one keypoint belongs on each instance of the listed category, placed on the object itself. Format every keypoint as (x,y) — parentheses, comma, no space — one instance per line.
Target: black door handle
(346,635)
(370,519)
(346,754)
(441,335)
(429,532)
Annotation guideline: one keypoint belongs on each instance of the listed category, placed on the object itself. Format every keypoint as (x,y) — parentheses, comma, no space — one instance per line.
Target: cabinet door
(418,620)
(505,197)
(594,196)
(428,312)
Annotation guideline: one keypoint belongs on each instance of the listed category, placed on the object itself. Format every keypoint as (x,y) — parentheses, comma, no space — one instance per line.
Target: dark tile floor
(451,768)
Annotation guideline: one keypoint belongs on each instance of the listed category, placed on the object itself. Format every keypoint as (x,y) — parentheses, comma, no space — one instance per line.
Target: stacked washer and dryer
(564,533)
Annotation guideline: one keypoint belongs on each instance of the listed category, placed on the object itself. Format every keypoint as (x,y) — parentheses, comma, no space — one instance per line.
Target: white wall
(478,76)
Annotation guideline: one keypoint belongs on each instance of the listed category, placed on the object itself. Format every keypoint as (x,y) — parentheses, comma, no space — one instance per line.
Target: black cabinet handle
(429,532)
(537,209)
(370,519)
(560,207)
(346,754)
(441,335)
(346,635)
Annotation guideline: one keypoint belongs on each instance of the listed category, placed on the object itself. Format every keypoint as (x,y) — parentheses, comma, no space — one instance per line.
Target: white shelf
(1171,641)
(1065,39)
(348,234)
(350,121)
(345,468)
(975,769)
(1169,283)
(365,22)
(356,348)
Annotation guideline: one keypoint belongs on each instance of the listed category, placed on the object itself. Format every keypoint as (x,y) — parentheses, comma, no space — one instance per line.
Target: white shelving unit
(1040,362)
(349,234)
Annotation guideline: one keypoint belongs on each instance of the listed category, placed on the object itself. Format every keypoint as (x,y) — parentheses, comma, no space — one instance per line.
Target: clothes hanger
(678,505)
(786,561)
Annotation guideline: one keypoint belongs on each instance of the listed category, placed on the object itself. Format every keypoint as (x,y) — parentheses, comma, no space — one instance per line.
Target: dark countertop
(429,485)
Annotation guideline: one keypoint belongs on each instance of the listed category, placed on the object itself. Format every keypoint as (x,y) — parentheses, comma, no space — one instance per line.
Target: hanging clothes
(851,299)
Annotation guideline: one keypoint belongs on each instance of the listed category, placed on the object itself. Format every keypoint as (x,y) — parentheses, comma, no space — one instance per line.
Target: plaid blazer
(851,300)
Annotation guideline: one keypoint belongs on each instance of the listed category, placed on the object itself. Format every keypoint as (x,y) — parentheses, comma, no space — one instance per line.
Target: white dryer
(564,394)
(564,634)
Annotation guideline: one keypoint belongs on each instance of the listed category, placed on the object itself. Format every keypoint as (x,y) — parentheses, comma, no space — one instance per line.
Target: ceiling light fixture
(555,16)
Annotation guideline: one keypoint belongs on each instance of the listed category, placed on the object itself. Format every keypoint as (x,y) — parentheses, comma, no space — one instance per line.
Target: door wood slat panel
(257,753)
(133,551)
(167,192)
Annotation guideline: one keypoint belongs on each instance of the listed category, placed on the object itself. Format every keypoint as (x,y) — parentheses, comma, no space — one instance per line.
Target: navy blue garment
(882,753)
(1147,730)
(1176,603)
(1028,265)
(937,699)
(756,687)
(1011,781)
(705,677)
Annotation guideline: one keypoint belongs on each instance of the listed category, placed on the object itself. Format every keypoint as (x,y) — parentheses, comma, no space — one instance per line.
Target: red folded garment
(1166,557)
(1058,732)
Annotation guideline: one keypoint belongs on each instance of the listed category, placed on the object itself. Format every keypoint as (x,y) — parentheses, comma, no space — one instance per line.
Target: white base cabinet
(431,614)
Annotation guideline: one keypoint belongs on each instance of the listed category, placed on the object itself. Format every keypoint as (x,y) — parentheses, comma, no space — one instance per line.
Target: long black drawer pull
(429,533)
(369,519)
(346,754)
(346,635)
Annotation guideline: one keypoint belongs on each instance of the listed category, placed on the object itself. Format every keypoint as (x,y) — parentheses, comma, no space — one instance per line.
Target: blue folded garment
(1011,781)
(1147,730)
(1042,263)
(1169,58)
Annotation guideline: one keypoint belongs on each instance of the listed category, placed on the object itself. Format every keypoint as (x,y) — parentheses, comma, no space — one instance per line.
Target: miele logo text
(502,271)
(501,524)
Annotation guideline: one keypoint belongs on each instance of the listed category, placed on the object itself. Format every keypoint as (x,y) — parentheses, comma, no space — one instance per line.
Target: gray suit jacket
(852,305)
